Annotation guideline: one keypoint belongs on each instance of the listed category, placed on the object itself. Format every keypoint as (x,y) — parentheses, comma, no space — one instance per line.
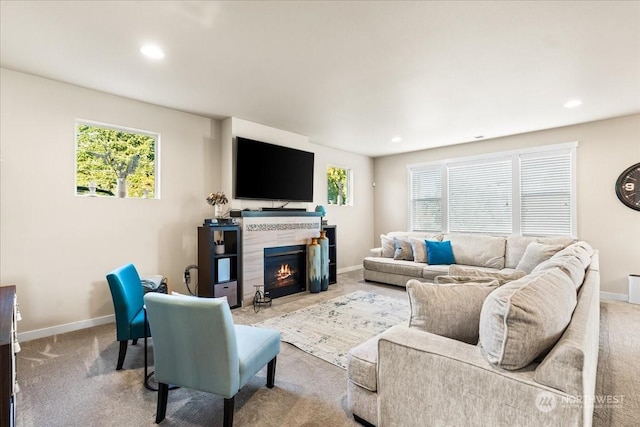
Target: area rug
(329,329)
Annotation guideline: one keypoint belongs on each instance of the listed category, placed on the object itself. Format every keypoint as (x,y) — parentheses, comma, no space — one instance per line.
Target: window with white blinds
(545,193)
(480,197)
(529,192)
(426,199)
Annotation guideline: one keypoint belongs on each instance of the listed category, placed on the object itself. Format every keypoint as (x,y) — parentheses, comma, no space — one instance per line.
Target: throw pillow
(525,318)
(419,249)
(403,249)
(388,246)
(451,311)
(535,254)
(439,253)
(569,264)
(474,274)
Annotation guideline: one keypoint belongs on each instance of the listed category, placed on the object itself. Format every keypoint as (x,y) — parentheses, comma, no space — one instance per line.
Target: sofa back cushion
(516,245)
(571,364)
(525,318)
(478,250)
(572,261)
(451,311)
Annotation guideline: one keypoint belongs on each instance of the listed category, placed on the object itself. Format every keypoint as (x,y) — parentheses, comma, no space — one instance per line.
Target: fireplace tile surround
(262,230)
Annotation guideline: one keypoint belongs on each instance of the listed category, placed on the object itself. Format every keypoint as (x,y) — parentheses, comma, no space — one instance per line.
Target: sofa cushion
(402,249)
(516,245)
(570,265)
(451,311)
(524,318)
(430,272)
(535,254)
(467,274)
(362,364)
(439,253)
(582,250)
(389,265)
(419,249)
(478,250)
(388,246)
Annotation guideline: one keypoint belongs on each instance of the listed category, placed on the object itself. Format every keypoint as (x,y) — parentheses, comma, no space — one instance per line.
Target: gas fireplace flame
(284,272)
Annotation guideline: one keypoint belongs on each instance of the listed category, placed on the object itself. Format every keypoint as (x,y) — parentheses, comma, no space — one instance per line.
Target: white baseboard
(61,329)
(614,296)
(348,269)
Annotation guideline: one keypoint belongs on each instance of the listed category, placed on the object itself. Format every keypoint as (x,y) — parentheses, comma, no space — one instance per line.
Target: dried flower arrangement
(218,198)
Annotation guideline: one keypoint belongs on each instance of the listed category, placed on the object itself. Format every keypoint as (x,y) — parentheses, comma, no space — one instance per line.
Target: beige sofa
(528,368)
(482,252)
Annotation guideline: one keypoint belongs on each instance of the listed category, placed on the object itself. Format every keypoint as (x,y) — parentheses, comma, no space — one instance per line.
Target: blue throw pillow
(439,253)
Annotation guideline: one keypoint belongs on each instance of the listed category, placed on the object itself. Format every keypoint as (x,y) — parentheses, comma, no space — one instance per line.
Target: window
(426,199)
(114,161)
(529,192)
(339,189)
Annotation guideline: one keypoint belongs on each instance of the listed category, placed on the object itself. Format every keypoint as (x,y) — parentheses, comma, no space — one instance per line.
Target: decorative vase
(217,210)
(313,257)
(121,188)
(324,260)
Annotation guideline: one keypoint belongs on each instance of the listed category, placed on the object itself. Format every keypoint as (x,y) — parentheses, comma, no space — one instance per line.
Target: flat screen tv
(272,172)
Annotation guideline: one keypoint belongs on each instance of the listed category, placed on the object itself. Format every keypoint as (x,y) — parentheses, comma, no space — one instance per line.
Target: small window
(113,161)
(339,190)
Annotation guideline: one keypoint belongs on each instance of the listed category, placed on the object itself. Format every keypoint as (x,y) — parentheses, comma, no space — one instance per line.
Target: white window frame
(515,155)
(350,195)
(155,135)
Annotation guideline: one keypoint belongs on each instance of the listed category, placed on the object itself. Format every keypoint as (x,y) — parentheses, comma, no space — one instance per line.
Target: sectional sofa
(402,256)
(485,350)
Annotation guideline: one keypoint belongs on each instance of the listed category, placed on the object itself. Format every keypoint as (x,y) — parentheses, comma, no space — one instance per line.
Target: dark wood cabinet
(331,233)
(8,344)
(219,259)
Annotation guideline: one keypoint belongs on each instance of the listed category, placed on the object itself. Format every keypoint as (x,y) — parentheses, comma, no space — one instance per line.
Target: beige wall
(57,247)
(605,149)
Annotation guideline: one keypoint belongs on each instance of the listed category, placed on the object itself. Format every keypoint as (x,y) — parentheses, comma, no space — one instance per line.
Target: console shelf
(219,272)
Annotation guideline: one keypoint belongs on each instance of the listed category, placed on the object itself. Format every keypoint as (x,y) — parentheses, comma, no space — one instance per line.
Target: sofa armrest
(427,379)
(376,252)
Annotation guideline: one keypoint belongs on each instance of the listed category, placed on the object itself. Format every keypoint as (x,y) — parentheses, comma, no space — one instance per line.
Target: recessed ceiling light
(573,103)
(396,139)
(152,51)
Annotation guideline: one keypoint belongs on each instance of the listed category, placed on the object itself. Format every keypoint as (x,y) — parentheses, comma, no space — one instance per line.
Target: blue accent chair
(196,345)
(127,293)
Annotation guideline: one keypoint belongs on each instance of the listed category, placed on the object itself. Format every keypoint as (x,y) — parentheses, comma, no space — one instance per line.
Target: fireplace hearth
(285,270)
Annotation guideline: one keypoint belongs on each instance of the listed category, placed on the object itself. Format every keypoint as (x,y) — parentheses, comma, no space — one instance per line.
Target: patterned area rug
(329,329)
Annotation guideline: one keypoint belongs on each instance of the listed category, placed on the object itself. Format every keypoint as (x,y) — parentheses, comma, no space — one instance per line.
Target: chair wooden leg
(228,412)
(271,373)
(121,354)
(163,393)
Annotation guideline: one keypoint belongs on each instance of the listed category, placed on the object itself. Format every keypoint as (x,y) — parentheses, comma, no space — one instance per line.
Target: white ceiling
(349,75)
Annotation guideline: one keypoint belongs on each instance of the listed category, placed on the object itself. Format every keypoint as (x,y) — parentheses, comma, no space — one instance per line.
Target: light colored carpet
(329,329)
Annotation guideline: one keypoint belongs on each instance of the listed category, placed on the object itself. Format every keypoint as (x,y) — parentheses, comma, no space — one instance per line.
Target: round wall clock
(628,187)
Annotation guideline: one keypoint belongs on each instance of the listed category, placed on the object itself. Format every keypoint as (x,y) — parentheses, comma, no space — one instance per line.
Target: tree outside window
(109,159)
(339,186)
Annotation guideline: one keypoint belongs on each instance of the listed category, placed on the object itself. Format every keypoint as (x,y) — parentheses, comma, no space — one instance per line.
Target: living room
(56,247)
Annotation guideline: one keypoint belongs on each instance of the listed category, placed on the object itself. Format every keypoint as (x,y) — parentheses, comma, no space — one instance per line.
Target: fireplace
(285,270)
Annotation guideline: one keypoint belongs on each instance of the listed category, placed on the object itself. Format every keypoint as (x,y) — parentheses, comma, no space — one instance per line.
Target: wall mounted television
(266,171)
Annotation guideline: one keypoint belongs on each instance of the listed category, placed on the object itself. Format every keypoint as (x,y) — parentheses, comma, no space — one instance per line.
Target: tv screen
(273,172)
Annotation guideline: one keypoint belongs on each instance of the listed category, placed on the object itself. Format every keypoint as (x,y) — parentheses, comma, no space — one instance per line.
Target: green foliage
(337,184)
(103,155)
